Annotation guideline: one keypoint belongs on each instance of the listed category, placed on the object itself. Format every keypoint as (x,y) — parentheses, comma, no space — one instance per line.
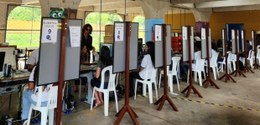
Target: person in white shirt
(146,64)
(30,96)
(33,60)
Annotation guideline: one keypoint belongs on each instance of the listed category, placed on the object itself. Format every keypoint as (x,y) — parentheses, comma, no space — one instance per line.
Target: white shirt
(147,65)
(44,92)
(213,52)
(33,59)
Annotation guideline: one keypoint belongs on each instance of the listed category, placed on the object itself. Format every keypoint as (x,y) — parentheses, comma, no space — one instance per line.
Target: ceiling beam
(227,3)
(113,6)
(11,1)
(240,8)
(189,1)
(104,2)
(30,2)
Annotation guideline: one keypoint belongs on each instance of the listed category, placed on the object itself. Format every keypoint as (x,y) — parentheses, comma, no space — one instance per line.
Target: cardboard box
(109,30)
(108,39)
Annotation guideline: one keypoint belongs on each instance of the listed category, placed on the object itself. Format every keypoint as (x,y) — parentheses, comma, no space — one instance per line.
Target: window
(23,26)
(99,27)
(141,21)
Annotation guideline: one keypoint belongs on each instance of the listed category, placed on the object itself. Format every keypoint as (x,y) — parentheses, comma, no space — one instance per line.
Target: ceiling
(133,6)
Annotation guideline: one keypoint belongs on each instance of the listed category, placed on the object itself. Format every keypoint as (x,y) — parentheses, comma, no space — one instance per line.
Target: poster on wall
(49,31)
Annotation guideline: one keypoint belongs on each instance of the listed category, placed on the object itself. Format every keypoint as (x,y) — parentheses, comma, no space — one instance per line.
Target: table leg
(88,97)
(80,83)
(10,101)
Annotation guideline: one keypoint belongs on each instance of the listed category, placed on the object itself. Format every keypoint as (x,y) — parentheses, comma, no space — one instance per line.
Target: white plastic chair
(251,59)
(171,73)
(49,108)
(197,68)
(148,81)
(111,87)
(233,61)
(229,66)
(214,65)
(258,56)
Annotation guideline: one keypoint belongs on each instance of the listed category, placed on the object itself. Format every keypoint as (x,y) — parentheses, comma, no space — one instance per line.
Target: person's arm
(31,79)
(143,63)
(98,72)
(32,60)
(31,85)
(30,67)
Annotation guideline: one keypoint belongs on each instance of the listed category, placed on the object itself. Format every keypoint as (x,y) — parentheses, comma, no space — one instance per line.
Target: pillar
(202,17)
(46,5)
(154,12)
(3,18)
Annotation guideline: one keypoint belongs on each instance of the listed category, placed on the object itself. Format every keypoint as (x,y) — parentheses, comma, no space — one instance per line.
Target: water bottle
(91,57)
(7,70)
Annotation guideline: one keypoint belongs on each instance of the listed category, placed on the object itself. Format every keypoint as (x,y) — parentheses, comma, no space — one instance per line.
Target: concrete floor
(208,110)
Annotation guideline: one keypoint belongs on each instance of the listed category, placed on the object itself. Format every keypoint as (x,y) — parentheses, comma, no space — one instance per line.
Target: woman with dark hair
(104,61)
(146,64)
(86,39)
(86,46)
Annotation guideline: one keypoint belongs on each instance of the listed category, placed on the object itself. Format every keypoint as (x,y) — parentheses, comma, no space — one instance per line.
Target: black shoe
(131,95)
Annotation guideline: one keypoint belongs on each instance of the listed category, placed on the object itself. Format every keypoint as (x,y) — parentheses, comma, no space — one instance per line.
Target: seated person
(104,61)
(146,64)
(84,55)
(33,60)
(84,59)
(30,96)
(95,54)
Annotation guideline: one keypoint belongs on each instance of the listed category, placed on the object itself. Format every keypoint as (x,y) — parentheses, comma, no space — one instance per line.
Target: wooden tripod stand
(190,86)
(208,79)
(165,96)
(256,66)
(226,75)
(247,69)
(127,107)
(237,71)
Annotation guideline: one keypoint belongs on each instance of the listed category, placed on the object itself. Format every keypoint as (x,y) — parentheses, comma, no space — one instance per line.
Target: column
(46,5)
(202,17)
(3,25)
(154,12)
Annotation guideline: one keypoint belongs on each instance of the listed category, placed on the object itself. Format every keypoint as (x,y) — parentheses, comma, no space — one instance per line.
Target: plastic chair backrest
(200,63)
(175,64)
(150,74)
(52,96)
(249,54)
(233,57)
(252,55)
(213,59)
(153,74)
(112,78)
(258,53)
(197,55)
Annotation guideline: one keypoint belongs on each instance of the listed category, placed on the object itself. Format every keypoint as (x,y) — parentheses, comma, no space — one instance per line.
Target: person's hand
(31,85)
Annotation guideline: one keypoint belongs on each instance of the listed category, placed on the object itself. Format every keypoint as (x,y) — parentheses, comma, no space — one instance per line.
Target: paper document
(49,31)
(75,33)
(119,32)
